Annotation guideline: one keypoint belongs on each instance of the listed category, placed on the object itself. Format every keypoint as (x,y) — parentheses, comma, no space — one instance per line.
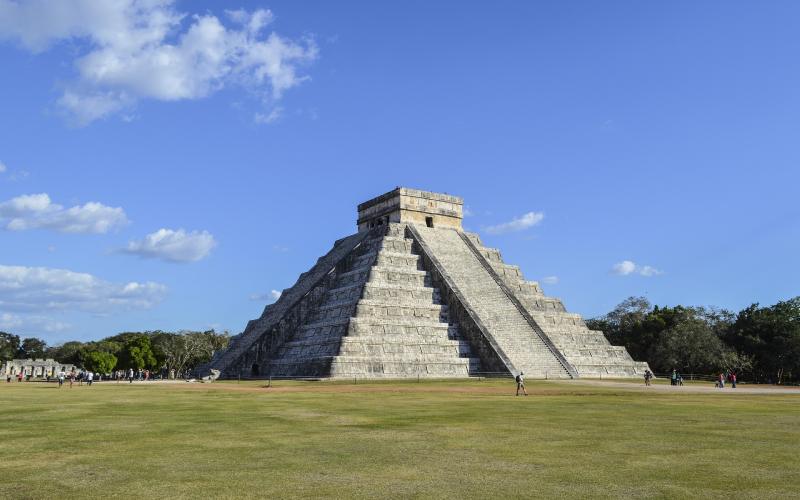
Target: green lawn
(400,439)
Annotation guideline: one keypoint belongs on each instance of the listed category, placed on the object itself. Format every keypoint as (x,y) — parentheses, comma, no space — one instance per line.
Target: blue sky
(194,160)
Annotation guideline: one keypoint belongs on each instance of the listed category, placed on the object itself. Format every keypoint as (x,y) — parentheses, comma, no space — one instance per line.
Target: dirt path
(690,388)
(470,386)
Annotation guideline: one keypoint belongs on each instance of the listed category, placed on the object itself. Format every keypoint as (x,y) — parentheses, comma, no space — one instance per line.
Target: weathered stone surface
(522,344)
(403,299)
(35,367)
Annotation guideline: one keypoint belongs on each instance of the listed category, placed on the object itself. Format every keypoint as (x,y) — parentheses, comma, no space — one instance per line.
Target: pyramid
(412,294)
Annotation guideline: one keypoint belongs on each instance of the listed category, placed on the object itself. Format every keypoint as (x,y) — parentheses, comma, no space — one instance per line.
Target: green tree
(137,353)
(68,352)
(99,361)
(187,349)
(9,345)
(32,348)
(689,339)
(691,346)
(771,336)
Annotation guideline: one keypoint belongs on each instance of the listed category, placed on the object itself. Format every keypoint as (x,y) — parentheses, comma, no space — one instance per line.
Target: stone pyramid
(413,295)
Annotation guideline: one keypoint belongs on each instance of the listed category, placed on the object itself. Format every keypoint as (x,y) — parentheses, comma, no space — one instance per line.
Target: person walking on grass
(721,380)
(61,377)
(130,375)
(71,378)
(733,380)
(90,378)
(648,376)
(521,384)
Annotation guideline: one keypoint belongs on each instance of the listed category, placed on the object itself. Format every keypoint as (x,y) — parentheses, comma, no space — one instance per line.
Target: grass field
(394,439)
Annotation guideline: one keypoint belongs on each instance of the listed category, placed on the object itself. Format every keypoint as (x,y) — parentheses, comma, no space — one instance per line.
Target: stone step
(576,338)
(390,256)
(491,254)
(350,366)
(383,340)
(567,343)
(557,318)
(379,308)
(332,311)
(524,288)
(395,244)
(507,271)
(398,276)
(541,304)
(403,294)
(394,259)
(386,327)
(356,276)
(366,258)
(323,329)
(382,308)
(631,369)
(579,354)
(417,351)
(349,292)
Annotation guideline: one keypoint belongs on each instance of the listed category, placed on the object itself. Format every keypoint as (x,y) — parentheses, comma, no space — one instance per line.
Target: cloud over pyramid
(412,294)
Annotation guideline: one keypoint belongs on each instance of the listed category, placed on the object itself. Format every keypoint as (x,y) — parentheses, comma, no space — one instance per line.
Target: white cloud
(37,211)
(272,296)
(173,246)
(3,167)
(271,117)
(467,212)
(550,280)
(40,289)
(649,271)
(15,322)
(147,49)
(530,219)
(9,321)
(624,268)
(627,267)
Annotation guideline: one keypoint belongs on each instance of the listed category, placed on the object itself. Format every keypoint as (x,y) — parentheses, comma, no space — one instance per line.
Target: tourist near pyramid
(412,294)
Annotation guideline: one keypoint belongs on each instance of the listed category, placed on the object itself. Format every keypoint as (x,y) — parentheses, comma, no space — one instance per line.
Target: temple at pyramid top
(411,206)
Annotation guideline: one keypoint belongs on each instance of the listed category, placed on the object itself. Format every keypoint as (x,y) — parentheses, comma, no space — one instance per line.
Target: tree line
(758,343)
(152,350)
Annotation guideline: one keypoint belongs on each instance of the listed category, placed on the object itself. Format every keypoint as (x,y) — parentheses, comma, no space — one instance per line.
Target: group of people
(89,377)
(676,378)
(62,376)
(143,375)
(130,375)
(730,377)
(80,377)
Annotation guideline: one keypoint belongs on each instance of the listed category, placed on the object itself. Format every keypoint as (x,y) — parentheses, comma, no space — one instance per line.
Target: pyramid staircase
(588,351)
(380,317)
(514,335)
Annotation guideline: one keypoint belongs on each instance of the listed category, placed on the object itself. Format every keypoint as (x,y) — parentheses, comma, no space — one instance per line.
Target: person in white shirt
(521,384)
